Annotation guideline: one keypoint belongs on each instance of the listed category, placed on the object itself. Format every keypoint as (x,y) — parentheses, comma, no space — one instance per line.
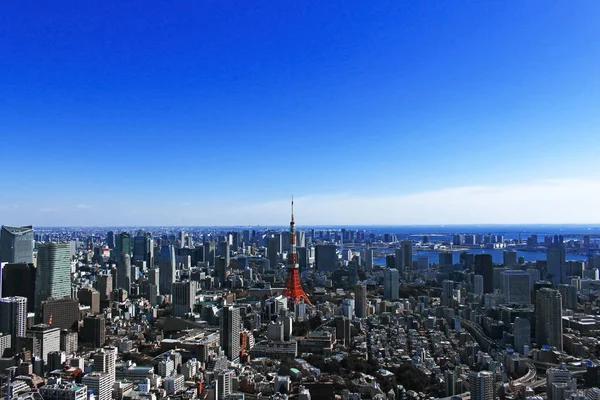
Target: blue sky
(215,112)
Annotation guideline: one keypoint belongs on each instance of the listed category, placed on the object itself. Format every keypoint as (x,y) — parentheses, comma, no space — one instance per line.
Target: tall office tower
(273,250)
(556,270)
(481,385)
(124,243)
(360,291)
(548,311)
(246,236)
(484,266)
(509,257)
(399,262)
(325,257)
(13,317)
(104,284)
(167,266)
(100,384)
(391,284)
(221,271)
(53,279)
(293,286)
(569,296)
(301,238)
(209,252)
(516,286)
(236,240)
(16,244)
(450,382)
(91,298)
(143,247)
(522,334)
(45,340)
(447,293)
(302,258)
(224,251)
(478,285)
(105,360)
(111,240)
(61,313)
(368,259)
(19,280)
(154,276)
(184,297)
(407,257)
(230,322)
(445,258)
(94,330)
(124,272)
(181,239)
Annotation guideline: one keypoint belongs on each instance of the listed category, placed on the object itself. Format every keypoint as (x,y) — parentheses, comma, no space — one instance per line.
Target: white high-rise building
(105,360)
(481,385)
(174,384)
(557,381)
(224,383)
(100,384)
(13,317)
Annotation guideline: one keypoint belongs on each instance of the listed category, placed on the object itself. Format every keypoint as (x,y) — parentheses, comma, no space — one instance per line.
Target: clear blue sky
(185,112)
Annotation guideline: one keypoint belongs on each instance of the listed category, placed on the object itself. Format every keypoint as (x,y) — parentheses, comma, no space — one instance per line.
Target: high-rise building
(210,252)
(104,284)
(124,272)
(111,240)
(481,385)
(221,271)
(91,298)
(53,279)
(556,270)
(105,360)
(478,285)
(167,265)
(61,313)
(557,381)
(13,317)
(360,291)
(274,247)
(325,257)
(548,311)
(569,296)
(515,287)
(143,247)
(484,266)
(16,244)
(100,384)
(224,252)
(94,330)
(184,297)
(368,260)
(447,293)
(445,258)
(230,322)
(522,334)
(509,258)
(391,284)
(124,243)
(45,338)
(407,257)
(224,383)
(19,280)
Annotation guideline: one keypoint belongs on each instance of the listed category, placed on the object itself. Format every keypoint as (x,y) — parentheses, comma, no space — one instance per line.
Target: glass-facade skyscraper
(16,244)
(53,279)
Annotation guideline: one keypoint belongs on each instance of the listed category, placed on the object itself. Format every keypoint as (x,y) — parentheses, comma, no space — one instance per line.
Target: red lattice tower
(293,287)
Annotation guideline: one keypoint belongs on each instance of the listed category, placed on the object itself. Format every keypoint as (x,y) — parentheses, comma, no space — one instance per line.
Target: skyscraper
(111,240)
(369,259)
(360,291)
(13,317)
(230,322)
(19,280)
(273,249)
(124,243)
(124,272)
(61,313)
(407,257)
(569,296)
(556,270)
(391,284)
(522,334)
(325,257)
(447,293)
(209,252)
(481,385)
(16,244)
(143,247)
(167,266)
(515,287)
(53,279)
(509,257)
(224,252)
(184,297)
(484,266)
(46,339)
(548,311)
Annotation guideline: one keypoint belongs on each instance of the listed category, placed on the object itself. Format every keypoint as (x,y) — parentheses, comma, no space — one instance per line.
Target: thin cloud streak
(544,202)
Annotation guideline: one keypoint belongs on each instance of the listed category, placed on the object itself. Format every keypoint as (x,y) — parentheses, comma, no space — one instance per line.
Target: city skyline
(200,114)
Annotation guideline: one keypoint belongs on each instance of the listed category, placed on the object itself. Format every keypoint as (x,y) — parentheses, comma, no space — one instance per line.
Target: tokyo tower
(293,288)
